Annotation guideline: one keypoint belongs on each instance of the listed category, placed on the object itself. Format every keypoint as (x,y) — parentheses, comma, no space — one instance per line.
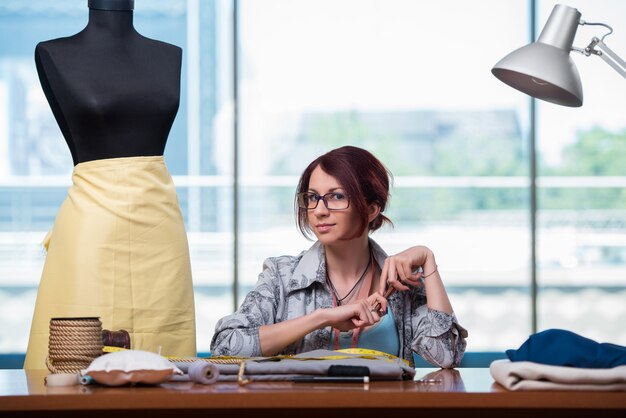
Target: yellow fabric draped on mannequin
(118,250)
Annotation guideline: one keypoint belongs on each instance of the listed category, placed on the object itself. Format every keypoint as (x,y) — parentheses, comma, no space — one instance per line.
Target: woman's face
(330,226)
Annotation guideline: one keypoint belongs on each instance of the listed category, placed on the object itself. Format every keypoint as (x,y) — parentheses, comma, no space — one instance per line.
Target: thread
(74,343)
(61,379)
(203,372)
(119,338)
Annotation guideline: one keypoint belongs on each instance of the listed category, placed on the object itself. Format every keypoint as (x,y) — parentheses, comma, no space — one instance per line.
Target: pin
(428,381)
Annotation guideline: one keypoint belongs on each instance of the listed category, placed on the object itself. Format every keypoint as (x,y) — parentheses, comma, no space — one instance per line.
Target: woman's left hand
(398,269)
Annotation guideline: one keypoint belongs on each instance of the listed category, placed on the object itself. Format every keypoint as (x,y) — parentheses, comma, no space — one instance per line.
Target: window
(582,204)
(408,80)
(35,167)
(403,82)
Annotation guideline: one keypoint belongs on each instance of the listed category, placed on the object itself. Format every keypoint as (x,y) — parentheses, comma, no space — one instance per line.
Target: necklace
(356,285)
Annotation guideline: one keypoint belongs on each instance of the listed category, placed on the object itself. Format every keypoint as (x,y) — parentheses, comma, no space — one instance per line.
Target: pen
(390,291)
(331,379)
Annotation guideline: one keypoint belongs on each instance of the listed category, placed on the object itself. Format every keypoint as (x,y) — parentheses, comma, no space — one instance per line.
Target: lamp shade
(544,69)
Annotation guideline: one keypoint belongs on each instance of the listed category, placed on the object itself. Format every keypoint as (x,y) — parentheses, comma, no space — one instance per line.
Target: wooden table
(461,392)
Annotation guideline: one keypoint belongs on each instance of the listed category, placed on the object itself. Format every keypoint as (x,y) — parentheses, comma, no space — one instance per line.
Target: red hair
(364,178)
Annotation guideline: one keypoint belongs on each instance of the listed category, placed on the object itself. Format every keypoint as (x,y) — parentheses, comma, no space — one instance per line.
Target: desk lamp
(545,70)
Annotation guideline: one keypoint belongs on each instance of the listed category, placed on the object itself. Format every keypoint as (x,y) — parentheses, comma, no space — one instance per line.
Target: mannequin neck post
(119,5)
(113,21)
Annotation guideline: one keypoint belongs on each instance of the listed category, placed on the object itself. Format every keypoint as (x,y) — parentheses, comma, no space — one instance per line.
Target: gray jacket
(290,287)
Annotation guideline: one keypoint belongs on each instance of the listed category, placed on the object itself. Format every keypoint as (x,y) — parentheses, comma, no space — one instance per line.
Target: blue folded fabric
(559,347)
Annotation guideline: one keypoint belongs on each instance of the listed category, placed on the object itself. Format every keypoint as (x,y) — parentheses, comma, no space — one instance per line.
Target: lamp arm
(612,58)
(604,52)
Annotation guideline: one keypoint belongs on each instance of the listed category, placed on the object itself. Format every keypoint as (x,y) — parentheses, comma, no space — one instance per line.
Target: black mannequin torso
(113,92)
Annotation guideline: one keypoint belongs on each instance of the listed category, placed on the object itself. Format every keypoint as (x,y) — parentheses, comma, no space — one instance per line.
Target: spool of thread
(74,343)
(62,379)
(119,338)
(203,372)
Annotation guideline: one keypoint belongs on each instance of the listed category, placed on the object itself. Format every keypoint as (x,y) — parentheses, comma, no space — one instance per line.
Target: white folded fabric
(526,375)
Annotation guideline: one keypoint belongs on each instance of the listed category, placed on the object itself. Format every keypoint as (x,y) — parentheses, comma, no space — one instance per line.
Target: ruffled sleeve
(437,337)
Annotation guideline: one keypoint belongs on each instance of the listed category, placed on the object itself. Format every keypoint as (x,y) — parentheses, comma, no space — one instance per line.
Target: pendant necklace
(356,285)
(362,293)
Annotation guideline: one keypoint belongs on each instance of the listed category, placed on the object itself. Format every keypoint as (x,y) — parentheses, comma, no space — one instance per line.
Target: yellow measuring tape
(360,352)
(364,352)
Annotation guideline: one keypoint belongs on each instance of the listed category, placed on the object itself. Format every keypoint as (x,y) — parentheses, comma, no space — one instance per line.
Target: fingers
(382,281)
(377,303)
(363,314)
(393,269)
(392,275)
(408,276)
(372,314)
(357,314)
(398,270)
(402,272)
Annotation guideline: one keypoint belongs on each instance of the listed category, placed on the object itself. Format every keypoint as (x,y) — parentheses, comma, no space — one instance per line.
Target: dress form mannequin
(118,249)
(113,92)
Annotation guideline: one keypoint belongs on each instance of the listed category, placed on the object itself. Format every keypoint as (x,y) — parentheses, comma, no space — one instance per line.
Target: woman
(331,296)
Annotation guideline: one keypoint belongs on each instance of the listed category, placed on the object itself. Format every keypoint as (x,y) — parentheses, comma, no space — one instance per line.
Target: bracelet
(431,273)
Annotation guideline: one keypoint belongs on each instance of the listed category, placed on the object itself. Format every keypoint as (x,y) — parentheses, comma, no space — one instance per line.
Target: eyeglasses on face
(332,201)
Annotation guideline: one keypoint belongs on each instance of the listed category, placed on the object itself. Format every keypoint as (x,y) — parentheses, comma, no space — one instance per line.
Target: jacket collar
(312,266)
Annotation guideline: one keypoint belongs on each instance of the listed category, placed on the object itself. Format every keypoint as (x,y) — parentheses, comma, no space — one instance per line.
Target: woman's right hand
(354,315)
